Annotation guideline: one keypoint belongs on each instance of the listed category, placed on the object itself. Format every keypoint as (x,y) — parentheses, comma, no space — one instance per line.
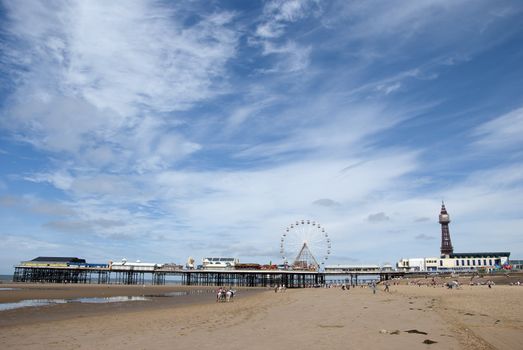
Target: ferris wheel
(305,244)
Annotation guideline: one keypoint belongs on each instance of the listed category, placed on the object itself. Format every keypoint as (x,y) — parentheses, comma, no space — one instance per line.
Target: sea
(6,278)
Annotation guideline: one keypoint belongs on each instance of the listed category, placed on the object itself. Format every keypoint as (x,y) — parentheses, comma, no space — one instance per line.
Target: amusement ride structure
(300,240)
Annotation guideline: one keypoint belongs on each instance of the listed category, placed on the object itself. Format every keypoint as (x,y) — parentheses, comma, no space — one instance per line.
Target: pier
(241,278)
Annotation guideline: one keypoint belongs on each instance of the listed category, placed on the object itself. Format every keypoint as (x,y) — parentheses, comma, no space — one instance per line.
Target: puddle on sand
(108,299)
(46,302)
(183,293)
(9,289)
(97,300)
(30,303)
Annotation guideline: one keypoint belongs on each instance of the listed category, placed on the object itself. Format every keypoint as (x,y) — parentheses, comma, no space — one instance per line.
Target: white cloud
(385,31)
(277,15)
(251,207)
(408,20)
(61,180)
(276,195)
(292,57)
(327,125)
(26,243)
(501,132)
(94,69)
(387,89)
(269,30)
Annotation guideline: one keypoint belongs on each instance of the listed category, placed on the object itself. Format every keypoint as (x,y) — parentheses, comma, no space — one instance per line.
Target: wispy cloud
(95,71)
(277,16)
(501,132)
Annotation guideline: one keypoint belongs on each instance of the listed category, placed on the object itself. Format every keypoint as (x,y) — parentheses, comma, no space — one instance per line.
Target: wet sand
(470,318)
(65,291)
(158,297)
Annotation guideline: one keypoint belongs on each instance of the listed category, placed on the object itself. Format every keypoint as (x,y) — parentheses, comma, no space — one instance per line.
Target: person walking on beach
(387,286)
(373,286)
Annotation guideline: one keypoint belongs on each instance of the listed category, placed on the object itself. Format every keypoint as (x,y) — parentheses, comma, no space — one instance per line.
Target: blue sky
(159,130)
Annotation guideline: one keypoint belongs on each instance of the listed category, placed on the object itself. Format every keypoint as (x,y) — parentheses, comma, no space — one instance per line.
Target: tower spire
(444,220)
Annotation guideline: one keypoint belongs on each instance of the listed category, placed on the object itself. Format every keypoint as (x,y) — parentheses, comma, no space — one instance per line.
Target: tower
(446,244)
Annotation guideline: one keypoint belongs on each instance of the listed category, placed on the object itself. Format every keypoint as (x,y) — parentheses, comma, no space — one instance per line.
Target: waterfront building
(454,262)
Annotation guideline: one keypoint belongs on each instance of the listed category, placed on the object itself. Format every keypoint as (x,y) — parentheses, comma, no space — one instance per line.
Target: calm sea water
(6,278)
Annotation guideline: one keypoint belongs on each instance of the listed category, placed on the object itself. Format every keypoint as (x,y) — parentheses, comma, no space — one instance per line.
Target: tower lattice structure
(444,220)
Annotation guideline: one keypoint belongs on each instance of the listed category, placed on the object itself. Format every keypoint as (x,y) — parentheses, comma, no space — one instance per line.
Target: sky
(159,130)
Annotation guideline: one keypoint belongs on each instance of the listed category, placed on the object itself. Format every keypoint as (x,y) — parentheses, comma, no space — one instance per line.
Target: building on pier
(53,261)
(219,263)
(125,265)
(352,268)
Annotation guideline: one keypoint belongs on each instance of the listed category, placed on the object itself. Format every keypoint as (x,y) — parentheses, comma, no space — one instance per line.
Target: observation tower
(446,244)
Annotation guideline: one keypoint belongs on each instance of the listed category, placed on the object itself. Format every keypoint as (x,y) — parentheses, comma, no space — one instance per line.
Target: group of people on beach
(372,285)
(224,295)
(280,288)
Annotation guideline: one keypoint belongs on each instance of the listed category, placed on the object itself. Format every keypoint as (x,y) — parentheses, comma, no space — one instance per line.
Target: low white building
(456,262)
(411,264)
(125,265)
(352,268)
(219,263)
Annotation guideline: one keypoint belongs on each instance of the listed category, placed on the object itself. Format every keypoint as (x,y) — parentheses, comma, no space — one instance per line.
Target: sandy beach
(409,317)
